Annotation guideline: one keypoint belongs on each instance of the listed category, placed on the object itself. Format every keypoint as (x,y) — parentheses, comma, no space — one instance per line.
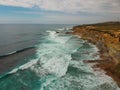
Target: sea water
(57,64)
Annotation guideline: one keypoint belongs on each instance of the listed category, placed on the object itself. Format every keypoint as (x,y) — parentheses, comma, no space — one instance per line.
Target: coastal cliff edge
(106,36)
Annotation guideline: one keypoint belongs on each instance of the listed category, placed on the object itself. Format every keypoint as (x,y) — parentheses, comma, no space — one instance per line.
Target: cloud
(70,6)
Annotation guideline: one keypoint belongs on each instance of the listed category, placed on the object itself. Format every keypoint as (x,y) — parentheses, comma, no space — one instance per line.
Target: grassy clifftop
(107,38)
(104,26)
(108,33)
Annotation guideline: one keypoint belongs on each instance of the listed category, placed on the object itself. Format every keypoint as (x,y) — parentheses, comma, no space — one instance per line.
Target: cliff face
(107,38)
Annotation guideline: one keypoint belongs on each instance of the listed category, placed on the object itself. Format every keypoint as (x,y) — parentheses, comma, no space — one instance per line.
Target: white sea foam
(57,70)
(67,28)
(86,79)
(48,81)
(24,66)
(11,53)
(55,58)
(57,65)
(52,34)
(61,29)
(55,37)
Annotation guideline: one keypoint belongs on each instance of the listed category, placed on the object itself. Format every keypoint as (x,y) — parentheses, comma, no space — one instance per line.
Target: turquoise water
(58,64)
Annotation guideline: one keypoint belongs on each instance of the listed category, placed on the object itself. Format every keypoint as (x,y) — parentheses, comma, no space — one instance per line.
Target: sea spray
(59,66)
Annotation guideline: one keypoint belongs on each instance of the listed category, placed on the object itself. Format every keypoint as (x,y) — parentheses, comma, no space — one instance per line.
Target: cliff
(106,36)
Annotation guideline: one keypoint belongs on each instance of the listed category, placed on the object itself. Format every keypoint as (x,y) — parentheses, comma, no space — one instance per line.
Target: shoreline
(109,62)
(105,63)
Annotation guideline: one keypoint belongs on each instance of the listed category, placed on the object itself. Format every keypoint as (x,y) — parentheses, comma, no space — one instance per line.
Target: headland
(106,36)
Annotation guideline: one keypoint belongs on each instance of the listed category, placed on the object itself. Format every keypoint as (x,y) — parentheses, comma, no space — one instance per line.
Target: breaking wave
(59,66)
(15,52)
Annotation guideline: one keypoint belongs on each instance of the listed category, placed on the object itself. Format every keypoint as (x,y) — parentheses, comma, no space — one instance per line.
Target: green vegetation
(105,26)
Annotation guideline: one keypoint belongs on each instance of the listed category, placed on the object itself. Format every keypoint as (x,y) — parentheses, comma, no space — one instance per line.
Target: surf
(59,65)
(15,52)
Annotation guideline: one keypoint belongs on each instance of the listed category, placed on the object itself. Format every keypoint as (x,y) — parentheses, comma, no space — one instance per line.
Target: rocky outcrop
(107,38)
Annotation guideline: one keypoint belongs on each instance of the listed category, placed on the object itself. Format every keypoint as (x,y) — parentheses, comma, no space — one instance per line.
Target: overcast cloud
(71,6)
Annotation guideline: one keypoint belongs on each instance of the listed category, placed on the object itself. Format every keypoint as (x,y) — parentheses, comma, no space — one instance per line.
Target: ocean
(44,57)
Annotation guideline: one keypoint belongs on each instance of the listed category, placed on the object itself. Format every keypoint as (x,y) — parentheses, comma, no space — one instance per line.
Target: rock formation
(107,38)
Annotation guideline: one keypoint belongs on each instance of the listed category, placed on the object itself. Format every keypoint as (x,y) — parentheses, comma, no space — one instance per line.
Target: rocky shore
(106,36)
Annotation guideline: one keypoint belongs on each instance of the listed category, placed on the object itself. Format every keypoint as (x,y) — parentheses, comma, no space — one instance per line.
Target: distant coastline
(106,36)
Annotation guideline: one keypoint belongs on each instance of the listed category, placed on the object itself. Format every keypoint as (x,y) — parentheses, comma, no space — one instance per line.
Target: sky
(59,11)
